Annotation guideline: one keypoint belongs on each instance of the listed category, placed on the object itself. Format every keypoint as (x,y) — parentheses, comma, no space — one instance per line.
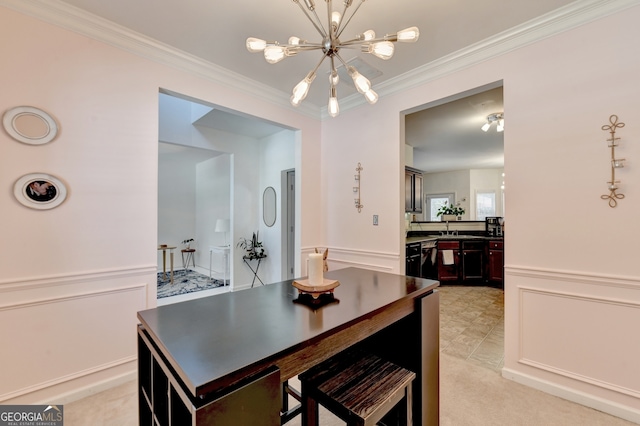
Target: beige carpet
(475,396)
(470,395)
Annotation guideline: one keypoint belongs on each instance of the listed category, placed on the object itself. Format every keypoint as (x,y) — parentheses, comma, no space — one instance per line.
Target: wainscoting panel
(340,258)
(575,335)
(63,329)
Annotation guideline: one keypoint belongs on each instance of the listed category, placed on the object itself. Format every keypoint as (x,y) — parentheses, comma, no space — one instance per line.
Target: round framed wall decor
(30,125)
(40,191)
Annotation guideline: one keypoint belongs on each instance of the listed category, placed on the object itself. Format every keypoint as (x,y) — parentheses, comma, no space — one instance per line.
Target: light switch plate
(375,220)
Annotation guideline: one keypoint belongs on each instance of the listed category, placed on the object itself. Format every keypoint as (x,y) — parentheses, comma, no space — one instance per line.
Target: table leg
(256,275)
(171,256)
(226,267)
(164,264)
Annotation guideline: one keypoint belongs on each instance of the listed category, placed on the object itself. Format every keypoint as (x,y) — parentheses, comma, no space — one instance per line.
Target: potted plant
(448,212)
(187,243)
(253,247)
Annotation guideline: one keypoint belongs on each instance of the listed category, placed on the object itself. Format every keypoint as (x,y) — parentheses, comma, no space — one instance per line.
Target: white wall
(71,287)
(485,180)
(213,189)
(176,204)
(457,182)
(572,286)
(277,153)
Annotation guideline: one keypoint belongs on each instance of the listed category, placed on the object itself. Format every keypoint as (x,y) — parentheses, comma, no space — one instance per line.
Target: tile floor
(471,327)
(472,324)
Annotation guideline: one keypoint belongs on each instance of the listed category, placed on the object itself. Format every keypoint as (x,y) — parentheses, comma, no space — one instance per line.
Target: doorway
(243,155)
(461,155)
(289,225)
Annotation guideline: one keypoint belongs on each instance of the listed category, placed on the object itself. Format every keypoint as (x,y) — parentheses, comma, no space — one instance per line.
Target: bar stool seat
(357,387)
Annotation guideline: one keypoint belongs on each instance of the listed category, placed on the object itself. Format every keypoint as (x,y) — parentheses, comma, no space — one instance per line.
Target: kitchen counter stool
(359,388)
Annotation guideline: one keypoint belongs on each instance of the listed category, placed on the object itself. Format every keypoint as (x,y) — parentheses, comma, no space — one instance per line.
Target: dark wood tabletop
(211,338)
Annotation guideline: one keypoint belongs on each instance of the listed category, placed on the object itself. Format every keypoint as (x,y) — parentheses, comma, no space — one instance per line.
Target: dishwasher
(428,266)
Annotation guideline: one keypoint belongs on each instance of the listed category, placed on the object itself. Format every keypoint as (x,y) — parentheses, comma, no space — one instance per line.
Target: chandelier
(496,117)
(330,45)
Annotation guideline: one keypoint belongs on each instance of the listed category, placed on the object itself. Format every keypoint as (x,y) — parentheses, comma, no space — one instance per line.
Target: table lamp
(222,225)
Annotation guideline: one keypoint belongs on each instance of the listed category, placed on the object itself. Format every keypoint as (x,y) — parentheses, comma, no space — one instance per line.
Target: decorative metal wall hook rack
(356,189)
(616,163)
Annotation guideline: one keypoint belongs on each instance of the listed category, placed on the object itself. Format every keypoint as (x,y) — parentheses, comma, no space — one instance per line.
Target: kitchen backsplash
(437,227)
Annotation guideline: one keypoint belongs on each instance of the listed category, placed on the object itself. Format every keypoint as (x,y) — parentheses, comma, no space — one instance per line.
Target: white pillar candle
(315,269)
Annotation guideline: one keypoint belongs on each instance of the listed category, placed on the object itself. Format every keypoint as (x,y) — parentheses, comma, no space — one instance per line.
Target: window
(485,204)
(435,201)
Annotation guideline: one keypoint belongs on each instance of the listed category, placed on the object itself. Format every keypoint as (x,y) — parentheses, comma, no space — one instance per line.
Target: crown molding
(79,21)
(72,18)
(563,19)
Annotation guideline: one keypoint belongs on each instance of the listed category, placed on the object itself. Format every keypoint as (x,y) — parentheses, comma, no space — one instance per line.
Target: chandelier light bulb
(381,49)
(274,54)
(332,106)
(368,35)
(500,126)
(334,78)
(409,35)
(335,19)
(371,96)
(294,41)
(485,126)
(255,45)
(362,83)
(302,89)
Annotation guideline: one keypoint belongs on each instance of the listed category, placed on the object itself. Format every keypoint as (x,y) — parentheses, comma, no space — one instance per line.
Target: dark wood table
(216,351)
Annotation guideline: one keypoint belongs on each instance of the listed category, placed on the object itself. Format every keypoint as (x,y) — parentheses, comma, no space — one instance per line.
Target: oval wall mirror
(269,206)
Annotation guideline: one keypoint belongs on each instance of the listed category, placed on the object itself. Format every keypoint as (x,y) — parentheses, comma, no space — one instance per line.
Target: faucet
(448,233)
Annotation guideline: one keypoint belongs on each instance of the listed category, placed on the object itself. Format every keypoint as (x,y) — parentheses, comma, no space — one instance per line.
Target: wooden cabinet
(495,264)
(448,268)
(472,260)
(412,190)
(413,259)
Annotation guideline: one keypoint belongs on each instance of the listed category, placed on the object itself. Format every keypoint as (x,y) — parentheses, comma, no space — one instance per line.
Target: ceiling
(448,136)
(216,31)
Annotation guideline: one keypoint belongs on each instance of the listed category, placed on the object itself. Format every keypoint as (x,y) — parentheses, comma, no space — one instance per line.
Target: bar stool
(359,388)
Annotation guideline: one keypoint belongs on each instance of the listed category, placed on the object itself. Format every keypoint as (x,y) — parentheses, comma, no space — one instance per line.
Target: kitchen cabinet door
(472,260)
(495,269)
(448,272)
(412,190)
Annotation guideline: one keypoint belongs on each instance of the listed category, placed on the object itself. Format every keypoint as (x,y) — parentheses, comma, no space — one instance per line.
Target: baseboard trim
(95,388)
(588,400)
(76,386)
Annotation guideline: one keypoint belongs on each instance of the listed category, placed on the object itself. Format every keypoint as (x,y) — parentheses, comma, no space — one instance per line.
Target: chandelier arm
(337,55)
(349,20)
(320,29)
(332,32)
(319,63)
(361,41)
(319,25)
(303,48)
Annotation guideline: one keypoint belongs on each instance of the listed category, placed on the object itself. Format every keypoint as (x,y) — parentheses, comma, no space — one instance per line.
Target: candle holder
(356,189)
(616,163)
